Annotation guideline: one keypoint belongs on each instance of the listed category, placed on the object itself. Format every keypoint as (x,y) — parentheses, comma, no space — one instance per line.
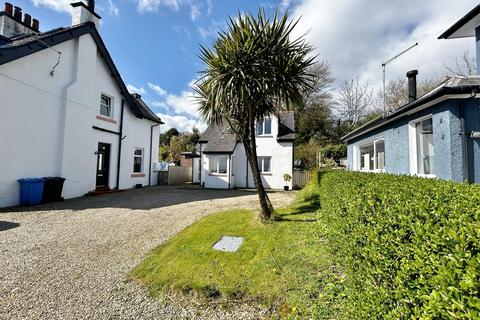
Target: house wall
(448,155)
(216,181)
(282,157)
(241,177)
(46,123)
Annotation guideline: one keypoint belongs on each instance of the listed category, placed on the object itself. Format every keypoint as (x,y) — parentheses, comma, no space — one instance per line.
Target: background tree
(464,66)
(165,137)
(175,143)
(396,92)
(354,100)
(314,118)
(253,70)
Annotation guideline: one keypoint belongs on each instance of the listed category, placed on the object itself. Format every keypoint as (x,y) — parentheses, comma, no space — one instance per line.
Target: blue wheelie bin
(31,191)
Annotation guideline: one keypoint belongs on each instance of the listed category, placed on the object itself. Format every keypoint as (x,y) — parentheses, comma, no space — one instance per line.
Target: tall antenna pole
(384,65)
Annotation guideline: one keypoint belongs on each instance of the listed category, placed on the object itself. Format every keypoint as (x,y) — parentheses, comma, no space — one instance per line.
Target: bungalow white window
(372,156)
(106,106)
(264,127)
(424,147)
(138,160)
(218,165)
(264,164)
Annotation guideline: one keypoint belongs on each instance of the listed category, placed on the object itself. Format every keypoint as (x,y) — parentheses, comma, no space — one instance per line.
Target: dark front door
(103,165)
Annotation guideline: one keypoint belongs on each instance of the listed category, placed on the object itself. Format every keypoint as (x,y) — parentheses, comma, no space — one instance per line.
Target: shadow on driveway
(5,225)
(136,199)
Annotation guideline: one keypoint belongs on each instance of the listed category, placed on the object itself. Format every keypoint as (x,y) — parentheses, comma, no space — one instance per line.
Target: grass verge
(283,265)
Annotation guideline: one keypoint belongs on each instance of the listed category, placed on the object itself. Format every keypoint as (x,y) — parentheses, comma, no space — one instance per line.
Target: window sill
(137,175)
(107,119)
(266,173)
(218,174)
(265,136)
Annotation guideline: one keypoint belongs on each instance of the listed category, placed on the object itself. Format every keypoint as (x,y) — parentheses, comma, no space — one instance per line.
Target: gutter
(400,113)
(151,147)
(120,139)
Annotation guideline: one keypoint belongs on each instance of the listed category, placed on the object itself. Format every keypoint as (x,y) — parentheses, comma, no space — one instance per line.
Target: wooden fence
(179,175)
(300,178)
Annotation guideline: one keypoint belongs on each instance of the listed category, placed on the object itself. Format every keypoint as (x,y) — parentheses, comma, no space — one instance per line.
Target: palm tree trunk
(251,152)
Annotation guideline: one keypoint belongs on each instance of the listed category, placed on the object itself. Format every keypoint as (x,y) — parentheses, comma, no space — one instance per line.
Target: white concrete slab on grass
(228,244)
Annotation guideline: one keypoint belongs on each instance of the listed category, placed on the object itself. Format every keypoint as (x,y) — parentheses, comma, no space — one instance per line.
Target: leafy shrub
(409,247)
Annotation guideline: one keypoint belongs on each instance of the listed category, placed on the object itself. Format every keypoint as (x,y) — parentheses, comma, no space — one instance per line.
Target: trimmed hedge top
(409,247)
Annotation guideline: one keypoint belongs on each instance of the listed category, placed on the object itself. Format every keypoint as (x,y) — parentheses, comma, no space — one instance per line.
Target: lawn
(284,265)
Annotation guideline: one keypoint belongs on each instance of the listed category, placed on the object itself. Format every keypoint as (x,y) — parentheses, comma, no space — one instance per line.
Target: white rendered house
(65,111)
(223,163)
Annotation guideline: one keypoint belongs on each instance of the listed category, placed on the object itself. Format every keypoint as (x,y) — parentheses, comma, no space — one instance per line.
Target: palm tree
(253,70)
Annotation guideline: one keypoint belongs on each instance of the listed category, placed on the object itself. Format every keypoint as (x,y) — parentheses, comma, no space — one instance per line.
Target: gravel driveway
(71,260)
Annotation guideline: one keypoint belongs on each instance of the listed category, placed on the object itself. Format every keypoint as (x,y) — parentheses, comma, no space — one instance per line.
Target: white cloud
(57,5)
(157,89)
(154,5)
(113,9)
(193,6)
(181,123)
(355,37)
(194,11)
(133,89)
(209,7)
(285,4)
(183,103)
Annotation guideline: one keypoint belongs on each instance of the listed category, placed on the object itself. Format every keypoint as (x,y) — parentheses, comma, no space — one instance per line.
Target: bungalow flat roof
(451,86)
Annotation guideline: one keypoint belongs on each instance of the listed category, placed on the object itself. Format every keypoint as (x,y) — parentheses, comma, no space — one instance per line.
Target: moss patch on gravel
(283,265)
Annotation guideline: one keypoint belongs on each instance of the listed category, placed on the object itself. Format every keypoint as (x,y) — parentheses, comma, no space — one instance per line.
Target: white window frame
(412,146)
(110,107)
(358,155)
(217,170)
(261,164)
(263,134)
(141,158)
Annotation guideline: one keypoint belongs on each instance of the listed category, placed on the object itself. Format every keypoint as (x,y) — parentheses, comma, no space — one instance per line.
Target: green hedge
(408,247)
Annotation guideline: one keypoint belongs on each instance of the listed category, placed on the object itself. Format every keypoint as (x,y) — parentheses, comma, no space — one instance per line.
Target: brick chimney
(83,13)
(13,23)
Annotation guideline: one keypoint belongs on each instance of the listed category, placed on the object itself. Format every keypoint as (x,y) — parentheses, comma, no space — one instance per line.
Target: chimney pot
(91,5)
(35,25)
(412,85)
(8,8)
(27,20)
(17,13)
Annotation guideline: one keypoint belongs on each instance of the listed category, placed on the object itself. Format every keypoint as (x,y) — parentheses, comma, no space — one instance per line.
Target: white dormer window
(264,127)
(106,106)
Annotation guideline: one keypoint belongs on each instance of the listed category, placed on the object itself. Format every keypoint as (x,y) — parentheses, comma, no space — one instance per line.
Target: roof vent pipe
(8,9)
(412,85)
(35,25)
(17,13)
(27,20)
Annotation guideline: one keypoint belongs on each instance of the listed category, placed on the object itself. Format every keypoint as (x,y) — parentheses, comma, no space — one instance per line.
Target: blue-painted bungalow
(436,135)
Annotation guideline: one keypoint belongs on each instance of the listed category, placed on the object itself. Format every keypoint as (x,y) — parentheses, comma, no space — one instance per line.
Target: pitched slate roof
(451,86)
(286,127)
(21,46)
(220,139)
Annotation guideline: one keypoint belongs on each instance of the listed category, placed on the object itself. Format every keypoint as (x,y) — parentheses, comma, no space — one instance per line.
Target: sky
(155,43)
